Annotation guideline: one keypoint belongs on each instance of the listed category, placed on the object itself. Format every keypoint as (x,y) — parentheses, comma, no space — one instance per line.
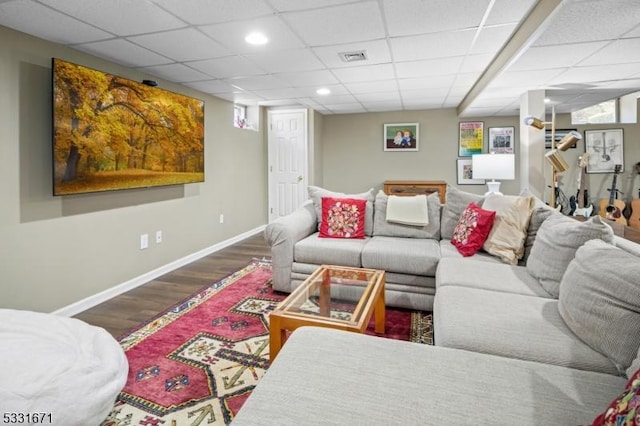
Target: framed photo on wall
(501,140)
(465,173)
(401,137)
(605,149)
(470,138)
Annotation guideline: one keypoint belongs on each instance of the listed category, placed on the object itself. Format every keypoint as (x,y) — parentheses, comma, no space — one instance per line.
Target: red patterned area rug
(197,363)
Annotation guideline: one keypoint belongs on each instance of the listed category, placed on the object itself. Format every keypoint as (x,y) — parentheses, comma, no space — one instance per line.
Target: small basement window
(605,112)
(240,116)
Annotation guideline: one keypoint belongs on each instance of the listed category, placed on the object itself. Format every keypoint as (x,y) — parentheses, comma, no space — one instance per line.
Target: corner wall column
(532,167)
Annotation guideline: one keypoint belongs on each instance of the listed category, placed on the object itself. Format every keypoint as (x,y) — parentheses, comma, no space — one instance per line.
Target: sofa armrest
(282,234)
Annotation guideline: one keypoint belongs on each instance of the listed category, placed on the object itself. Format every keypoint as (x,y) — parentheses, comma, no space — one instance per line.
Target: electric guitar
(634,219)
(612,208)
(582,197)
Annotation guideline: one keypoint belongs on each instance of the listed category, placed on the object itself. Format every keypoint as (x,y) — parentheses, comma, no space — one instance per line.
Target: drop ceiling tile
(334,99)
(345,108)
(422,94)
(172,45)
(558,56)
(378,96)
(40,21)
(308,78)
(120,17)
(476,63)
(383,105)
(177,72)
(633,83)
(618,52)
(280,103)
(591,21)
(409,17)
(340,24)
(595,74)
(431,46)
(491,39)
(372,86)
(287,61)
(429,67)
(282,93)
(364,73)
(466,79)
(123,52)
(531,79)
(335,89)
(260,82)
(232,34)
(377,52)
(229,66)
(437,82)
(212,86)
(199,12)
(288,5)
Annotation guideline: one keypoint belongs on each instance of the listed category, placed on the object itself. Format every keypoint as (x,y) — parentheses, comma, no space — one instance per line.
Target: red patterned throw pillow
(342,217)
(472,229)
(625,409)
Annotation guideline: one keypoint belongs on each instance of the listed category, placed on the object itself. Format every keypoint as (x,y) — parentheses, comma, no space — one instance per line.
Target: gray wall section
(55,251)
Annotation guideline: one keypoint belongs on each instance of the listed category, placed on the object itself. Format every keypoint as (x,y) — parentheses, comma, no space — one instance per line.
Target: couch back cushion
(316,193)
(383,228)
(600,301)
(457,202)
(555,246)
(539,214)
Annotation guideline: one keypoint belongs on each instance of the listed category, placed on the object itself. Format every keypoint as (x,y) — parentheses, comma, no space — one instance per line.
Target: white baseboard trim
(91,301)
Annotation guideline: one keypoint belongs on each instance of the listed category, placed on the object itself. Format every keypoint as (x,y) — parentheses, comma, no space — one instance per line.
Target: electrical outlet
(221,218)
(144,241)
(158,237)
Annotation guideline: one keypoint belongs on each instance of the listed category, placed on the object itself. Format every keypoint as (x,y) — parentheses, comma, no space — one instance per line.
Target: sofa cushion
(329,251)
(457,202)
(538,215)
(600,301)
(625,409)
(513,326)
(488,276)
(388,229)
(555,246)
(403,255)
(449,250)
(316,193)
(331,377)
(472,229)
(509,231)
(342,217)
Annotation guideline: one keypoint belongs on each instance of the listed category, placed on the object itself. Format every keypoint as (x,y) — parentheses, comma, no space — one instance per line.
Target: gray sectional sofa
(549,341)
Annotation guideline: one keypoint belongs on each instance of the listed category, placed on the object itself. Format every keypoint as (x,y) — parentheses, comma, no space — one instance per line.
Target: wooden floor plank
(141,304)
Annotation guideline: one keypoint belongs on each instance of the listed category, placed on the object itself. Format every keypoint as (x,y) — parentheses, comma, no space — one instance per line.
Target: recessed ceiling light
(256,38)
(547,100)
(323,91)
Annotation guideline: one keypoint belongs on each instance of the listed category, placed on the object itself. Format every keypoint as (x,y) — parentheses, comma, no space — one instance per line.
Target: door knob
(300,178)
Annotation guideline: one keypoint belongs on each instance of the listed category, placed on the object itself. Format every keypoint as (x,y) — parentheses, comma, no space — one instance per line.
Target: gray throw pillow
(555,246)
(316,193)
(457,202)
(600,301)
(538,216)
(388,229)
(635,366)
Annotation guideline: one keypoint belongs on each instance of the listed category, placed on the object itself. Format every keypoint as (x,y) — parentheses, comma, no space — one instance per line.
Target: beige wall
(58,250)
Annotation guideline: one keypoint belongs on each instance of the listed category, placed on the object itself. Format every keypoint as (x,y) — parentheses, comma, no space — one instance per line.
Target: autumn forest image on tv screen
(114,133)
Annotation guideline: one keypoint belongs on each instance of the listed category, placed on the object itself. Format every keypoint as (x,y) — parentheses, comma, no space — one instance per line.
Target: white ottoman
(62,367)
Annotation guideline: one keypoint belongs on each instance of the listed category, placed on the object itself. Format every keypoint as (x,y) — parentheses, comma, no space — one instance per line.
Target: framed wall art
(465,173)
(501,140)
(470,138)
(401,137)
(605,149)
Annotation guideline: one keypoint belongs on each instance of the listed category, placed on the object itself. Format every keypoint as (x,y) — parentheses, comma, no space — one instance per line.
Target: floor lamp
(558,164)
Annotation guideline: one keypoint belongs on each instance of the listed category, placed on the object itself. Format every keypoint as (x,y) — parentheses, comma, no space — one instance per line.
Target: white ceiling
(422,54)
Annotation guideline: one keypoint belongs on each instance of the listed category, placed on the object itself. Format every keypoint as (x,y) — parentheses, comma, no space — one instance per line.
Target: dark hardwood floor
(124,312)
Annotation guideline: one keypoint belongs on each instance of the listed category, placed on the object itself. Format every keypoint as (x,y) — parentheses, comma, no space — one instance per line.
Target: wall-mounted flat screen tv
(113,133)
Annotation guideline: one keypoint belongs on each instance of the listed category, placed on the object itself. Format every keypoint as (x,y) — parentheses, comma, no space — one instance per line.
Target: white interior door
(287,161)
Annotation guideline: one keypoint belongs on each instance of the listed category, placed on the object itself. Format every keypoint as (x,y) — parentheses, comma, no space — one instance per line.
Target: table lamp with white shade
(493,166)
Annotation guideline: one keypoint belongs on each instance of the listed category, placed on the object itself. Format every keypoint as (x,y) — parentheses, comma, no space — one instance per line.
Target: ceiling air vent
(356,56)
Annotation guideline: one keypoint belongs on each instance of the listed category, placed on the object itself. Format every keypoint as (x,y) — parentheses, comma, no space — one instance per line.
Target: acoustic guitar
(634,219)
(612,208)
(579,203)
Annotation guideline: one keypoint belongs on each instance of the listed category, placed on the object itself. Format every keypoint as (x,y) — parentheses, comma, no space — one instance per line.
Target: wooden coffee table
(333,296)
